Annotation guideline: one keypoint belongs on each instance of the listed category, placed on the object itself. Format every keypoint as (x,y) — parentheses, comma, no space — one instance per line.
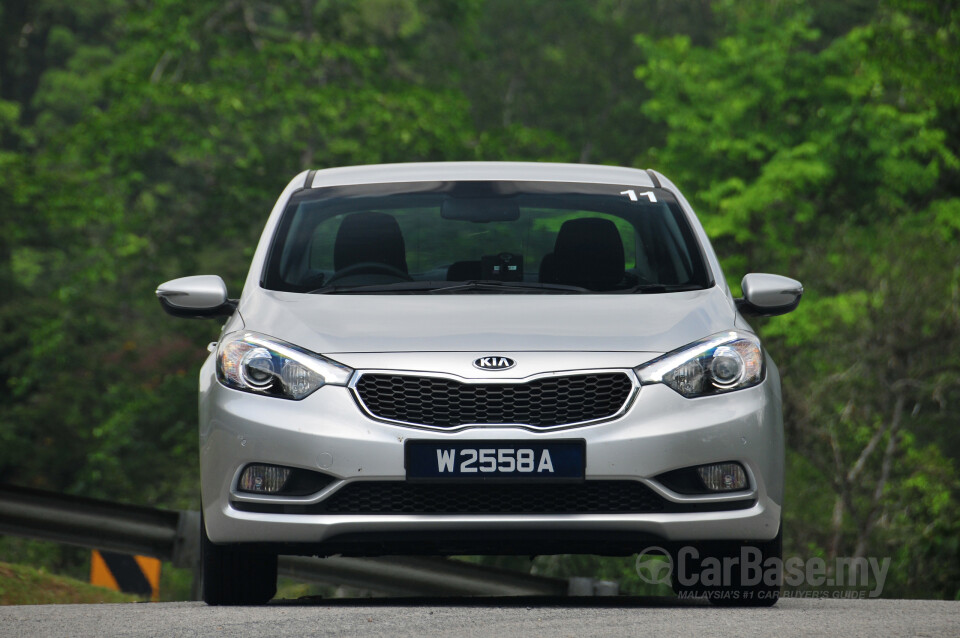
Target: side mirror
(198,297)
(767,295)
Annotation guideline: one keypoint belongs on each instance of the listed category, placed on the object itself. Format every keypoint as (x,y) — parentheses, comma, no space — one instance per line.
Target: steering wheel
(368,268)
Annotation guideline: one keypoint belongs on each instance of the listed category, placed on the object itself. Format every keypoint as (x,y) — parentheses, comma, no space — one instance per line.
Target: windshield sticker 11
(632,194)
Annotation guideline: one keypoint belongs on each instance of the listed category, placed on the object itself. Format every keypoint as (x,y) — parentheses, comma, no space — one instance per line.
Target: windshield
(484,237)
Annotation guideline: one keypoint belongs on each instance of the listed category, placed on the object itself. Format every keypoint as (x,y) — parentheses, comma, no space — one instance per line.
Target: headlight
(721,363)
(254,363)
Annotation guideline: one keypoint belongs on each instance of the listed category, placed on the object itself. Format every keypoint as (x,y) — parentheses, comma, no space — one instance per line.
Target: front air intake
(447,403)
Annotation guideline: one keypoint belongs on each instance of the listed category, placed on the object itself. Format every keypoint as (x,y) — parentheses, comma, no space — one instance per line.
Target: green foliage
(780,134)
(21,585)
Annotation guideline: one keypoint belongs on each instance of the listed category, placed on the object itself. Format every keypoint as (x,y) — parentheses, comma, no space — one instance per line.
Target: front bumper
(327,432)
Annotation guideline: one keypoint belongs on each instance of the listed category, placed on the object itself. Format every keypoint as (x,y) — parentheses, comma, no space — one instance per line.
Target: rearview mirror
(197,297)
(766,295)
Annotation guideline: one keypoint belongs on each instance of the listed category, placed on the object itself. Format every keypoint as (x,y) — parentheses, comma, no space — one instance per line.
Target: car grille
(395,497)
(401,497)
(446,403)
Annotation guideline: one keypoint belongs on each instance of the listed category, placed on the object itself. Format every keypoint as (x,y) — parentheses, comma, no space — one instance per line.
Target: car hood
(330,324)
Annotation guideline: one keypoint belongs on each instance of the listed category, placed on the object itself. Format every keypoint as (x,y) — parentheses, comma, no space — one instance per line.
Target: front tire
(733,591)
(235,577)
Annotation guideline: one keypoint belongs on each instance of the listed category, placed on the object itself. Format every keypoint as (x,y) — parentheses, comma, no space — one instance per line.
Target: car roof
(479,171)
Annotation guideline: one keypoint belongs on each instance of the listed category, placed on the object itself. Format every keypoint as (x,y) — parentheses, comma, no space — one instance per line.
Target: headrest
(589,253)
(369,236)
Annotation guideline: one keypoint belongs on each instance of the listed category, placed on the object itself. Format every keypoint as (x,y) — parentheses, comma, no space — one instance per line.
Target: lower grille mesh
(398,497)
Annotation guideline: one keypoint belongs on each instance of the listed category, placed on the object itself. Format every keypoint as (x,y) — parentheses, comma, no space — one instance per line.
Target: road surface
(522,617)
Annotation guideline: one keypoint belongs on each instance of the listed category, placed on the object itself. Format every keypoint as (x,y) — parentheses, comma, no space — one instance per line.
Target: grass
(22,585)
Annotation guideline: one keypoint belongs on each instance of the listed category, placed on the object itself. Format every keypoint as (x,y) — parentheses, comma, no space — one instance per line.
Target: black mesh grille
(400,497)
(397,497)
(447,403)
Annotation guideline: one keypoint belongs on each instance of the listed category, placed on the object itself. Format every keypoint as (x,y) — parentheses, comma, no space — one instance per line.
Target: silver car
(486,358)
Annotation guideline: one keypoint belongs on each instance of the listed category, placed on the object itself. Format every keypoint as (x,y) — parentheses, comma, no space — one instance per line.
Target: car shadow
(530,602)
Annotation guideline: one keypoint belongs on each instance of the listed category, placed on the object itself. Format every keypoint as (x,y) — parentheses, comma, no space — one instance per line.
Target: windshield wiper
(437,287)
(507,286)
(400,286)
(655,288)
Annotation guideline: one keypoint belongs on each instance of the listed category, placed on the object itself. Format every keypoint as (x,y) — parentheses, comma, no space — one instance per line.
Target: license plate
(495,460)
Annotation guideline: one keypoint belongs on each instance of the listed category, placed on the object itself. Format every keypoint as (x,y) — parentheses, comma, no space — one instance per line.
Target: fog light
(263,479)
(723,477)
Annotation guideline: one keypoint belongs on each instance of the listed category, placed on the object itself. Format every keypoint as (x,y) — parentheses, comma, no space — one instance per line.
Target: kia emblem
(494,363)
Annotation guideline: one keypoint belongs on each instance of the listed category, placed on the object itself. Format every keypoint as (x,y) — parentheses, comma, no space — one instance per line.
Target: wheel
(707,574)
(235,577)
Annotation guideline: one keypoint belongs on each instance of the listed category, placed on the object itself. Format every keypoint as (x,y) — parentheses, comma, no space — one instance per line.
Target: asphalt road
(500,617)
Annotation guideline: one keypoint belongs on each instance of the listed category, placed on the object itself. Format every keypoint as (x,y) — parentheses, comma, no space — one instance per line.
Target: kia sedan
(486,358)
